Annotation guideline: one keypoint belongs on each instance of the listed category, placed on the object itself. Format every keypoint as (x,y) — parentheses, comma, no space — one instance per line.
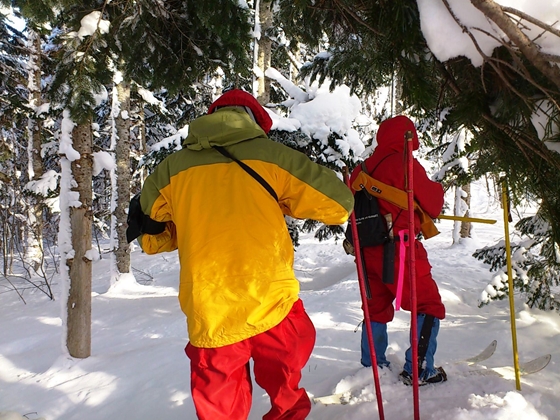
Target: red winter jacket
(387,164)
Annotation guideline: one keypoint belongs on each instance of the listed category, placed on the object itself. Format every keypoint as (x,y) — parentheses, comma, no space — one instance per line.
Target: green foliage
(170,45)
(323,232)
(329,155)
(13,74)
(81,62)
(173,44)
(535,264)
(368,43)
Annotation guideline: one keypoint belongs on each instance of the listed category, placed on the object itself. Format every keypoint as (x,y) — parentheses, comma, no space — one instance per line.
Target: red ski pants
(221,384)
(382,295)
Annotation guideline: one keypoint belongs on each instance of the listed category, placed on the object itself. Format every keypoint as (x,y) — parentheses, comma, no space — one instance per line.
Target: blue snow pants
(380,342)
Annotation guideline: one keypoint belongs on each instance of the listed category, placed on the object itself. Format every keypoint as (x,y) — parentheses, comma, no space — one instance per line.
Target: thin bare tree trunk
(466,227)
(265,51)
(143,145)
(122,154)
(78,338)
(35,127)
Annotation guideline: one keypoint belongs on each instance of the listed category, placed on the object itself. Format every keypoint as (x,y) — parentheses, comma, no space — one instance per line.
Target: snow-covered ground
(138,369)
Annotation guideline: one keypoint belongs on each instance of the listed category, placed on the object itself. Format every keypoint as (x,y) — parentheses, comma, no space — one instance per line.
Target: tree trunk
(35,128)
(398,95)
(466,227)
(122,154)
(264,51)
(78,338)
(143,146)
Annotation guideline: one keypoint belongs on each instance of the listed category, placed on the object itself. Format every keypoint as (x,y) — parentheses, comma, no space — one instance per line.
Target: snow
(138,369)
(318,112)
(446,38)
(65,147)
(103,161)
(293,90)
(45,184)
(149,97)
(92,23)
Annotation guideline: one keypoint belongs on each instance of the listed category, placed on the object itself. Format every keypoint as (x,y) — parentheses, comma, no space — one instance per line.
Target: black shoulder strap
(364,169)
(249,170)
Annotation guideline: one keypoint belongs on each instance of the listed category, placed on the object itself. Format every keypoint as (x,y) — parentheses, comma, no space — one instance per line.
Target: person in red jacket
(387,164)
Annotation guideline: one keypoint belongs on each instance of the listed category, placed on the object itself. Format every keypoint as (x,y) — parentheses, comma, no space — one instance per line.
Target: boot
(438,377)
(427,370)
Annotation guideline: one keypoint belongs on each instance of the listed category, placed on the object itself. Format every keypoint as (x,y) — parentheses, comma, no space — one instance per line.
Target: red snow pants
(221,384)
(382,295)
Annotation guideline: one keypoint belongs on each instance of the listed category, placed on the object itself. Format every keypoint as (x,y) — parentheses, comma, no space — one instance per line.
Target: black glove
(348,247)
(139,223)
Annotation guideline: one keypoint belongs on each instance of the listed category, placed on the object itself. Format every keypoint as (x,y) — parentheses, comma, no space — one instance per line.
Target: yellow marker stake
(466,219)
(505,205)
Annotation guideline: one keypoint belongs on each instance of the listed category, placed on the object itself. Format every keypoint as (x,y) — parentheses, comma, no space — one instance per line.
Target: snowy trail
(138,369)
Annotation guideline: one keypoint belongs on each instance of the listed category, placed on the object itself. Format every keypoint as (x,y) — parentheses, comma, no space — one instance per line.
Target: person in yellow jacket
(237,287)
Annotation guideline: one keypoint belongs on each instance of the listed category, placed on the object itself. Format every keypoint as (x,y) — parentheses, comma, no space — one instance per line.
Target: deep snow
(138,369)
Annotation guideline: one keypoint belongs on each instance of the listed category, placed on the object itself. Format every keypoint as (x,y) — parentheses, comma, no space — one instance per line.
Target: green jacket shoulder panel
(224,127)
(246,141)
(297,165)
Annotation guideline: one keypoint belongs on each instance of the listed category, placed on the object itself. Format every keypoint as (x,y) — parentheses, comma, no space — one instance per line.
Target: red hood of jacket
(390,135)
(387,164)
(238,97)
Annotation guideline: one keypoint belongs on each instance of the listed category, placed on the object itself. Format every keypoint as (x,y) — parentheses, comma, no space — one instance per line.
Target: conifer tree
(158,44)
(369,42)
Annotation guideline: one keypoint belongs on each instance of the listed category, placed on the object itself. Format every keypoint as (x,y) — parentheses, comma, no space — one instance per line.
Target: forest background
(95,93)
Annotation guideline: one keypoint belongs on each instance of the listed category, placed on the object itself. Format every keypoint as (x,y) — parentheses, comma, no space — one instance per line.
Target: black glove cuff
(151,227)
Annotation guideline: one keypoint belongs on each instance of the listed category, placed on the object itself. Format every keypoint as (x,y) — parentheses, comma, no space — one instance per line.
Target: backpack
(372,227)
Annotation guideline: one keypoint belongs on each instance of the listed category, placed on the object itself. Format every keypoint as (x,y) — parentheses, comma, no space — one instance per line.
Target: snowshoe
(438,377)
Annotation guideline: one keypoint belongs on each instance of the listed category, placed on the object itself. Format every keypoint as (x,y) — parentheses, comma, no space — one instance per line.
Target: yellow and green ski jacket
(235,252)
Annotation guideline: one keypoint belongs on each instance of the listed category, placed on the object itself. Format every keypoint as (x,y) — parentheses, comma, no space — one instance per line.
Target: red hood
(390,135)
(238,97)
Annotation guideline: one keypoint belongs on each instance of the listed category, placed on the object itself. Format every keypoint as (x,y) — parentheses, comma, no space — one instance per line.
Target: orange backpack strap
(396,197)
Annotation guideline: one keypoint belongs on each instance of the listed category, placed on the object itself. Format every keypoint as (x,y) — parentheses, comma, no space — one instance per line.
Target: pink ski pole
(362,283)
(412,271)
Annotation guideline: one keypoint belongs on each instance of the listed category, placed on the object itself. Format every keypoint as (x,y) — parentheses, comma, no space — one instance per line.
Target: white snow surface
(138,369)
(92,23)
(446,38)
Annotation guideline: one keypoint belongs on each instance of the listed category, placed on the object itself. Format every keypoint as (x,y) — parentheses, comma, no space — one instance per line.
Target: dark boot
(439,377)
(427,346)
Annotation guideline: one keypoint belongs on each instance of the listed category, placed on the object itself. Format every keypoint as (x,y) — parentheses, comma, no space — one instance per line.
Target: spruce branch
(531,19)
(519,138)
(494,12)
(350,11)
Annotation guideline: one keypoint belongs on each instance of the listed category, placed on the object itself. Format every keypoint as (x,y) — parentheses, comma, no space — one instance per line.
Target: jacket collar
(226,126)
